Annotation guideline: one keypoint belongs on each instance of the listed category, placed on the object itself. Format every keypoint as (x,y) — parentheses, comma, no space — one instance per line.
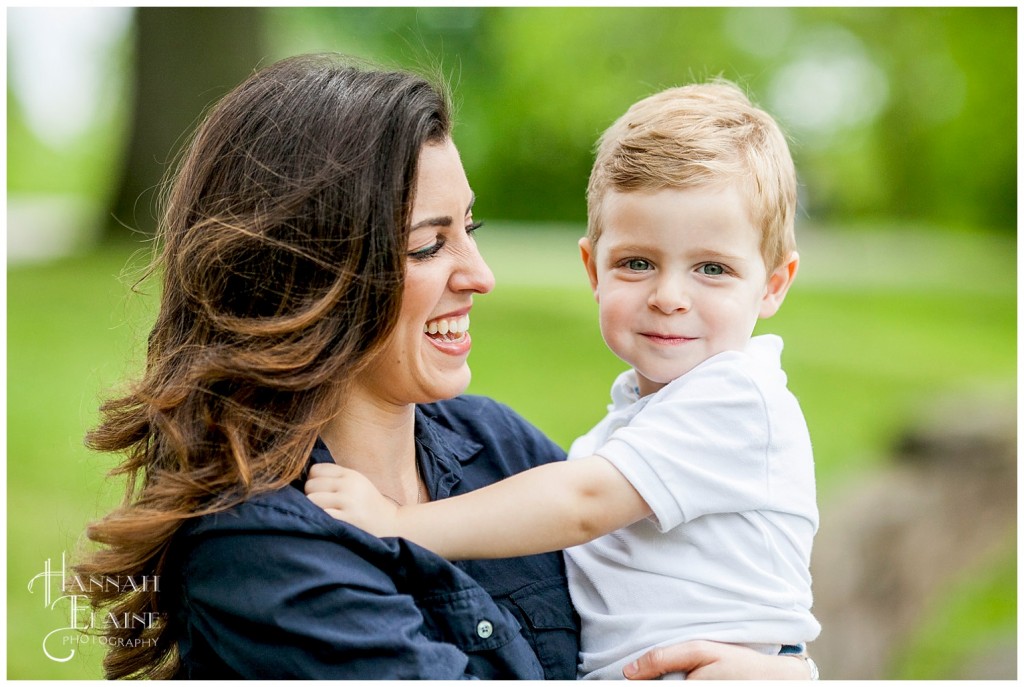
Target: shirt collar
(625,391)
(766,348)
(447,451)
(443,442)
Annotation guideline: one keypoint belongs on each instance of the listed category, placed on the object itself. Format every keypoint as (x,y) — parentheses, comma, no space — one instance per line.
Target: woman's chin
(449,385)
(457,388)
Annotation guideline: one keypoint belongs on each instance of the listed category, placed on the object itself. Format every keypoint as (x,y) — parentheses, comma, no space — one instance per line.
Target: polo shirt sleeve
(699,447)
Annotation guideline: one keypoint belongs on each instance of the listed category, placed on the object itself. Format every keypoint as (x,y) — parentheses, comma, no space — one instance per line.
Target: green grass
(865,349)
(67,341)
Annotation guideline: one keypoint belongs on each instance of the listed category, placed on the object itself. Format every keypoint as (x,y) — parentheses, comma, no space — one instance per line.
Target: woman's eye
(471,229)
(427,251)
(637,264)
(712,269)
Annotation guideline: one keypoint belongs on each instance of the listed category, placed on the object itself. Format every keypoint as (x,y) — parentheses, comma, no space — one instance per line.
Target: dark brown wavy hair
(282,250)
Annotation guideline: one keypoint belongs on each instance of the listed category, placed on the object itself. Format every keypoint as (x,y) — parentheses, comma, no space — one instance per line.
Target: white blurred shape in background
(59,67)
(831,85)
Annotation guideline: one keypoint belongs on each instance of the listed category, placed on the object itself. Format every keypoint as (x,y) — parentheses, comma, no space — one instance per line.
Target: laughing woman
(319,269)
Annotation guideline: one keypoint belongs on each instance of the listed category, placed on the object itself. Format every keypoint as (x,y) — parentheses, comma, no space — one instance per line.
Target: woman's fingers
(705,660)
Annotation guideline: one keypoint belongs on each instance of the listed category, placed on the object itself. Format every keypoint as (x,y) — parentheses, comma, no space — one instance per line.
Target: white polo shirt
(723,457)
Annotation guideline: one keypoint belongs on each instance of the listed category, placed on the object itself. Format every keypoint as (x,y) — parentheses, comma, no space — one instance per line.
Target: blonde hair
(700,135)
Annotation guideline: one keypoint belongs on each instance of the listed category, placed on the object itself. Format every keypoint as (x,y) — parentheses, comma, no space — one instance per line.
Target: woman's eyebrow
(443,221)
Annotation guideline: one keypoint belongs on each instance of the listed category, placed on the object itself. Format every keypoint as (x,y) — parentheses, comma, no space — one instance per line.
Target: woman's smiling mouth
(449,334)
(451,327)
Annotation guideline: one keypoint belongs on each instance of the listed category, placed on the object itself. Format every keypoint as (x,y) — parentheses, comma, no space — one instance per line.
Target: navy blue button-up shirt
(276,588)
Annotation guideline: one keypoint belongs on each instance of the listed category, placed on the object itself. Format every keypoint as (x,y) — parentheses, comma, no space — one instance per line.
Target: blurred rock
(890,545)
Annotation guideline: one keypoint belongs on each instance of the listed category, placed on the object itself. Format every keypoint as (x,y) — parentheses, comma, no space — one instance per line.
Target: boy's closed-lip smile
(667,339)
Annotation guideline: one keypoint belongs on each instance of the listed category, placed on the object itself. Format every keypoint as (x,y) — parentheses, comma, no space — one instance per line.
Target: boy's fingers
(320,498)
(321,484)
(336,482)
(327,470)
(326,500)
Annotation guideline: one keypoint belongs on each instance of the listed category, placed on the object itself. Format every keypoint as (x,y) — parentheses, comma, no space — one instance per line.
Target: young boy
(688,512)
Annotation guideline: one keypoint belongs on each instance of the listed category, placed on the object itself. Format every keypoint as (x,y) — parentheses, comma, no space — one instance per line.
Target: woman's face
(425,358)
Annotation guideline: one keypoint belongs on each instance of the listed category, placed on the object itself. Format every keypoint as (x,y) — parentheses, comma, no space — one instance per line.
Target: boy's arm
(547,508)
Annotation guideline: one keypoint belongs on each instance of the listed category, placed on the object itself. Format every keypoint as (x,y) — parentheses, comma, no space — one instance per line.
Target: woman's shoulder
(284,511)
(275,531)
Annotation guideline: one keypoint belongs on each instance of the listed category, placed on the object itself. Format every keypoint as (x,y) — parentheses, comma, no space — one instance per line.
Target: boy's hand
(347,495)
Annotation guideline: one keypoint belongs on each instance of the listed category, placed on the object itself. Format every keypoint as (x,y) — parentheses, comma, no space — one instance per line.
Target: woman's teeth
(454,326)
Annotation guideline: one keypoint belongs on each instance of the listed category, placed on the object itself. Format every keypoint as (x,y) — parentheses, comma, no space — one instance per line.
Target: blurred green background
(903,124)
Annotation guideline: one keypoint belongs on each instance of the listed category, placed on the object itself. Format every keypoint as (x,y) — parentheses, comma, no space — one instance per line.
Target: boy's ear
(590,263)
(779,282)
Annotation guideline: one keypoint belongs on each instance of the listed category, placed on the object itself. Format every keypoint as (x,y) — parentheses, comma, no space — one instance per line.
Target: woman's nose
(670,295)
(472,273)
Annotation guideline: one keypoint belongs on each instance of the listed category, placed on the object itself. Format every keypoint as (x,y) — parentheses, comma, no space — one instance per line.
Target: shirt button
(484,629)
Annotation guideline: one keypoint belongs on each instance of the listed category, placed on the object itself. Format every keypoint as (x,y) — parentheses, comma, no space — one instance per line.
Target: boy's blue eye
(712,269)
(638,264)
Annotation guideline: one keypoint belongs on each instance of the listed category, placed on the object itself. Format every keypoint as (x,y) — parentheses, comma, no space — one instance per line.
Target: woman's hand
(705,660)
(348,495)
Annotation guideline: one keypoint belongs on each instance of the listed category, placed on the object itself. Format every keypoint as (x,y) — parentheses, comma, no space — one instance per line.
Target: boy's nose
(670,295)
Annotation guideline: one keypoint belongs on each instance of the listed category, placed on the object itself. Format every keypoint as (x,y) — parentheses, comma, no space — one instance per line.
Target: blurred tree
(944,147)
(186,58)
(895,112)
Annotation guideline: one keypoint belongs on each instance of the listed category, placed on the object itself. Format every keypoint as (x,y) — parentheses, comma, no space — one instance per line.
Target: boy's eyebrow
(631,247)
(719,255)
(443,221)
(649,248)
